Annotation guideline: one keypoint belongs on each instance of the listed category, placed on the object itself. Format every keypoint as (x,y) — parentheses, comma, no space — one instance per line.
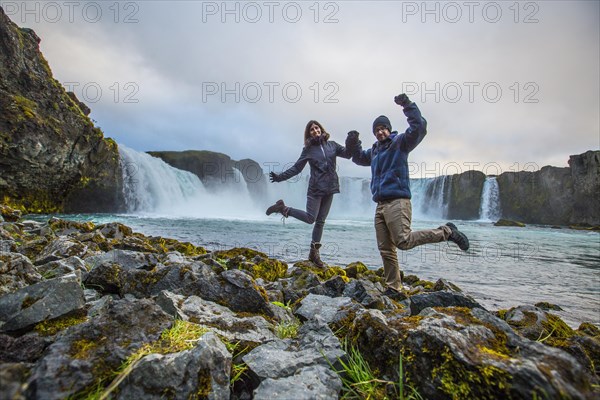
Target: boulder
(89,353)
(326,308)
(507,222)
(468,353)
(127,259)
(201,372)
(16,272)
(420,302)
(233,289)
(41,301)
(366,293)
(220,319)
(316,345)
(59,248)
(27,348)
(314,382)
(62,267)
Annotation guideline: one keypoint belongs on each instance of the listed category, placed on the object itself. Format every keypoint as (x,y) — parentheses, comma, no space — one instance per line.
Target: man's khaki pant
(392,227)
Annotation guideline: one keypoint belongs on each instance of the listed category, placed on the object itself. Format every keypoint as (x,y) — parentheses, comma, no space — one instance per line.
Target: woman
(320,154)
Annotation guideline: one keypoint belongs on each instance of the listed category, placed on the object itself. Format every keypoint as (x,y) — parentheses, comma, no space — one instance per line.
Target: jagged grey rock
(316,345)
(170,303)
(62,267)
(204,369)
(61,247)
(232,288)
(310,383)
(96,347)
(16,272)
(224,322)
(333,287)
(420,302)
(521,367)
(364,292)
(443,284)
(127,259)
(326,307)
(45,300)
(26,348)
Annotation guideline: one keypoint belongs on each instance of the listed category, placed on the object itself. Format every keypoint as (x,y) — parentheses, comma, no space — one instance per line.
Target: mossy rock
(507,222)
(269,269)
(589,329)
(9,214)
(249,254)
(323,273)
(165,245)
(427,285)
(53,326)
(61,225)
(585,227)
(544,305)
(355,269)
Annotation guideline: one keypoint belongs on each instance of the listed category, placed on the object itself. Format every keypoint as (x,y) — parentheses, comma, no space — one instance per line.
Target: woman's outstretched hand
(274,177)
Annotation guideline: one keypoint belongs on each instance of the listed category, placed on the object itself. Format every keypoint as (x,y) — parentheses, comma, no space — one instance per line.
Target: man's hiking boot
(394,294)
(278,207)
(314,255)
(458,237)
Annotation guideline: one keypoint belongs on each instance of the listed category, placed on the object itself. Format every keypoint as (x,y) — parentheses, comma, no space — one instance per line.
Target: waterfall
(153,187)
(430,196)
(490,200)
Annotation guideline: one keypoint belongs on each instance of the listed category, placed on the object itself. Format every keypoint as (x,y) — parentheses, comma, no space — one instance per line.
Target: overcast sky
(503,85)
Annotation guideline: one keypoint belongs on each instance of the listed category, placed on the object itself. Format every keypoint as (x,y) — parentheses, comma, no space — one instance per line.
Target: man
(390,187)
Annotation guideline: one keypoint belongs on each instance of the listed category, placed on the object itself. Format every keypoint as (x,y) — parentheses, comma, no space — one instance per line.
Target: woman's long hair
(308,138)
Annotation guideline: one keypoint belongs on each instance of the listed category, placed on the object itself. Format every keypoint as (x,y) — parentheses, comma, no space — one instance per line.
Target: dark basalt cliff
(554,195)
(52,158)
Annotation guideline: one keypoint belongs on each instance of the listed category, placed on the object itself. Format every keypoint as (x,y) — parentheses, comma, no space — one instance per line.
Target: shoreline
(107,280)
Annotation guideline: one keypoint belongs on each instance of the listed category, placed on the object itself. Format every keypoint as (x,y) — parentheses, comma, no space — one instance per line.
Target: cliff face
(464,195)
(540,197)
(585,172)
(552,195)
(52,158)
(216,169)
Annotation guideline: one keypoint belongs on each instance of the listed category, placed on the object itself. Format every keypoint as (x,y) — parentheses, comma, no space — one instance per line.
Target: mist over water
(154,188)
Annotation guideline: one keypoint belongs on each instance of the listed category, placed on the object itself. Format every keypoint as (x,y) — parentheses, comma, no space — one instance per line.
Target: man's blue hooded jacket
(389,159)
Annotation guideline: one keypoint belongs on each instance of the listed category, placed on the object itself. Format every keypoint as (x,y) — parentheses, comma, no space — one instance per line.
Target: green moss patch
(52,327)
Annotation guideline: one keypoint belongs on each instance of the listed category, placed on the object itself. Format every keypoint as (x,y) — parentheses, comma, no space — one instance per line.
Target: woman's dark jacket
(320,154)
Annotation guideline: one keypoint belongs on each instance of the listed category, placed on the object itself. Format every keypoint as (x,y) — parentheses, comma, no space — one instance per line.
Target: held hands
(402,100)
(274,177)
(352,141)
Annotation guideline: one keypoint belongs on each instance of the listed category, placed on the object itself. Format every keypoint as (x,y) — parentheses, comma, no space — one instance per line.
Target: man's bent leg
(398,215)
(387,249)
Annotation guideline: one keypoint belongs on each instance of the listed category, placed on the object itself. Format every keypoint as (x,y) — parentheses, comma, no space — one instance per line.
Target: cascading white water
(490,200)
(429,197)
(152,187)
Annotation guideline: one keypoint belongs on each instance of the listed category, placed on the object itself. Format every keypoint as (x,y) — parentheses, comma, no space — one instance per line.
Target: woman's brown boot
(314,255)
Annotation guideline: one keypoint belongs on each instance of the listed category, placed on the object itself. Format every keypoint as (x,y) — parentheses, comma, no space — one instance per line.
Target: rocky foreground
(103,312)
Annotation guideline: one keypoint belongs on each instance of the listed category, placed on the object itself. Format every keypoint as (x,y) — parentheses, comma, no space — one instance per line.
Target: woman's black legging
(317,209)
